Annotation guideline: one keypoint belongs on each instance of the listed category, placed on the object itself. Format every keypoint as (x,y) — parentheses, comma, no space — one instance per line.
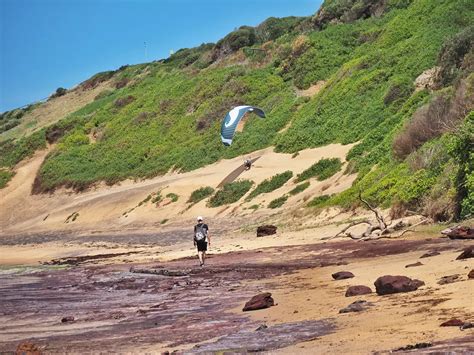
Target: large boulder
(266,230)
(260,301)
(358,290)
(388,284)
(471,274)
(466,254)
(341,275)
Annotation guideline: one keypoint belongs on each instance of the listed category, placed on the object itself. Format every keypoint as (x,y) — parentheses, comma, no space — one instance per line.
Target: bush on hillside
(5,177)
(200,194)
(124,101)
(319,201)
(323,169)
(230,193)
(278,202)
(268,185)
(299,188)
(172,196)
(96,79)
(59,92)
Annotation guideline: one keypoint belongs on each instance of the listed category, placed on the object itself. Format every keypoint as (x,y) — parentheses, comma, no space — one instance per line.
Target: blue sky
(46,44)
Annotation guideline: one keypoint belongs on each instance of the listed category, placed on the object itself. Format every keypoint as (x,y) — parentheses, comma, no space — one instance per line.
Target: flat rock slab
(452,323)
(414,264)
(270,338)
(449,279)
(341,275)
(430,254)
(389,284)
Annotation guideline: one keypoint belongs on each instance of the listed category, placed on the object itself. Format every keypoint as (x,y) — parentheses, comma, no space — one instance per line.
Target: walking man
(201,239)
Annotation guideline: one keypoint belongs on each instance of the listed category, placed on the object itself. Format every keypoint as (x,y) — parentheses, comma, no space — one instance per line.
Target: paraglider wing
(232,119)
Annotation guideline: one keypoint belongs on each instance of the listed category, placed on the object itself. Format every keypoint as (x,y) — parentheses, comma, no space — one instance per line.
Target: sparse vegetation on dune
(167,114)
(322,170)
(200,194)
(271,184)
(230,193)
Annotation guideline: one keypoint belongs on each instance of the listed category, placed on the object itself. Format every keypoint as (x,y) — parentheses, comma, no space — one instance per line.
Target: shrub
(157,198)
(323,169)
(124,101)
(299,188)
(278,202)
(95,80)
(230,193)
(121,83)
(103,94)
(172,196)
(59,92)
(271,184)
(319,201)
(5,177)
(200,194)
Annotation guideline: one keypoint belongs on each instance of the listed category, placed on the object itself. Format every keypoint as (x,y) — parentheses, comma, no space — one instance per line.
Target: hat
(200,218)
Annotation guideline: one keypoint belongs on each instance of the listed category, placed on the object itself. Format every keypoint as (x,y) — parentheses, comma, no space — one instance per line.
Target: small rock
(266,230)
(471,274)
(452,323)
(414,264)
(356,306)
(358,290)
(448,279)
(430,254)
(341,275)
(466,254)
(388,284)
(467,325)
(261,301)
(261,327)
(67,319)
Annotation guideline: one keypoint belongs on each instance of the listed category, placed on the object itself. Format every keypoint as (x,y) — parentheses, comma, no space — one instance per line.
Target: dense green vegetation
(166,114)
(5,176)
(271,184)
(323,169)
(230,193)
(200,194)
(172,196)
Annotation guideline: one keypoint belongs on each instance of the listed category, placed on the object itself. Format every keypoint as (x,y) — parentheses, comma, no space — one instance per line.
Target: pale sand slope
(102,209)
(394,320)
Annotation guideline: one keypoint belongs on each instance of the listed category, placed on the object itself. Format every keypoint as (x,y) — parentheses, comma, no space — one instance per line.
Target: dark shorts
(201,245)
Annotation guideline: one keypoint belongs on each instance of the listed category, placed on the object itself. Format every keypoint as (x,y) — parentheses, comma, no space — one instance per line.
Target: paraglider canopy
(232,119)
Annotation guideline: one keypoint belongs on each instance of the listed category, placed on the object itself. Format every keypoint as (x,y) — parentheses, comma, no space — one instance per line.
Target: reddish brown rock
(28,348)
(388,284)
(341,275)
(466,254)
(266,230)
(67,319)
(414,264)
(261,301)
(471,274)
(452,323)
(358,290)
(430,254)
(459,232)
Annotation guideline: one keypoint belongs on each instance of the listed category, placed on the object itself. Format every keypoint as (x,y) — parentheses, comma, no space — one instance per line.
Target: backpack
(200,233)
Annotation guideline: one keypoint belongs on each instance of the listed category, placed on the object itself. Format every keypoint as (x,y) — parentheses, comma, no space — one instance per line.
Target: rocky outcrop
(389,284)
(266,230)
(260,301)
(28,348)
(341,275)
(427,79)
(466,254)
(459,232)
(358,290)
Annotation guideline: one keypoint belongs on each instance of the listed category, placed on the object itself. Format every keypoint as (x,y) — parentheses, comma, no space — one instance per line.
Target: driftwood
(378,229)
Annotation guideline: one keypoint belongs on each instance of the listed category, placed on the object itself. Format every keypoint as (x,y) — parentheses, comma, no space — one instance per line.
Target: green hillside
(415,146)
